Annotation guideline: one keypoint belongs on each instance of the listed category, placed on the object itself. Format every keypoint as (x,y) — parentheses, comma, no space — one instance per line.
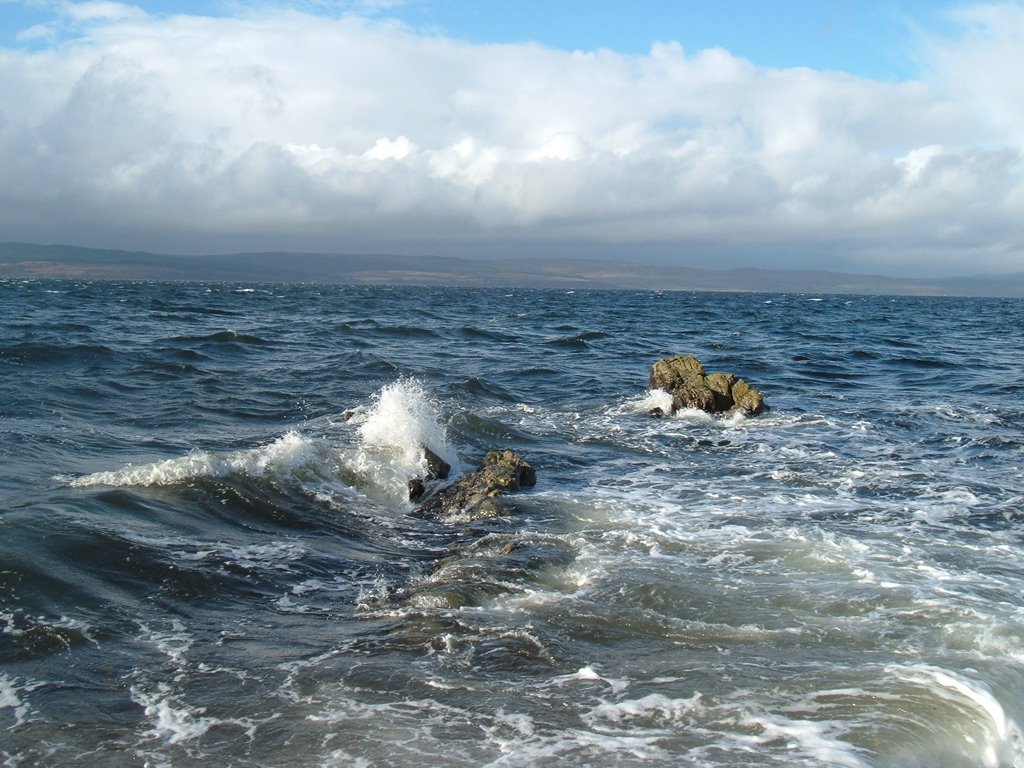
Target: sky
(878,136)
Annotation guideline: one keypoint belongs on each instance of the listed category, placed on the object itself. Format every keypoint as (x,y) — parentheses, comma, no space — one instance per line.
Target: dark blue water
(202,562)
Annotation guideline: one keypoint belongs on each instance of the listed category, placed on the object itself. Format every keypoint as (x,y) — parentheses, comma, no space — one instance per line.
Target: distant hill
(26,260)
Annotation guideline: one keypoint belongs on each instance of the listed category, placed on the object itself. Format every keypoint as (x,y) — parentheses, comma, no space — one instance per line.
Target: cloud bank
(288,129)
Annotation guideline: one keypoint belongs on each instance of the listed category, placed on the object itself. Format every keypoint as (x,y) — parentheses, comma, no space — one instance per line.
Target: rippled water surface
(206,556)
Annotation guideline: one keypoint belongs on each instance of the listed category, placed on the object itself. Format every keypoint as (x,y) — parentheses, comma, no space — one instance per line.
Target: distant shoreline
(34,261)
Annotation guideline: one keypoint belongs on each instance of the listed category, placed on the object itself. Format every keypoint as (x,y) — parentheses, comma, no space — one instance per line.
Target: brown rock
(747,399)
(525,476)
(684,378)
(474,494)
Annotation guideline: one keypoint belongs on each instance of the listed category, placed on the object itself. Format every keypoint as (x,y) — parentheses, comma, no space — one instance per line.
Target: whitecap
(11,690)
(589,674)
(286,454)
(654,399)
(403,420)
(171,721)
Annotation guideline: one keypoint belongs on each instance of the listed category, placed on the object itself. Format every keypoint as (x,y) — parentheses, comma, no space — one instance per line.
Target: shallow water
(202,562)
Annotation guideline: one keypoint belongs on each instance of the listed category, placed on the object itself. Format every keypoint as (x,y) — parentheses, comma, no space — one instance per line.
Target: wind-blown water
(203,562)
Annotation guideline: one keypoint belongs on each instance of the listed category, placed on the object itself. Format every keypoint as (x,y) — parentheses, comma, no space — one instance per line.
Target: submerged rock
(474,494)
(684,378)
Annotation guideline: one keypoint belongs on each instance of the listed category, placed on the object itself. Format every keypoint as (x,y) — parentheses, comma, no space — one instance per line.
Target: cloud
(101,11)
(302,130)
(983,67)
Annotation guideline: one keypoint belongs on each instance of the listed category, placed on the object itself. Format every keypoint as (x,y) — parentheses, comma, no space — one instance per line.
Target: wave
(46,354)
(379,453)
(480,386)
(961,716)
(579,340)
(286,453)
(919,362)
(225,336)
(473,332)
(407,331)
(25,637)
(173,308)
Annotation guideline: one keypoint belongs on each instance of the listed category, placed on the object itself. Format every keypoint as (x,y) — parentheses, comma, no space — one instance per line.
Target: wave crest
(387,452)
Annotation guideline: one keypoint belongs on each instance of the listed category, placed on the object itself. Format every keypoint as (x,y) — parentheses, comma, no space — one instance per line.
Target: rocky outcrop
(437,469)
(684,378)
(474,495)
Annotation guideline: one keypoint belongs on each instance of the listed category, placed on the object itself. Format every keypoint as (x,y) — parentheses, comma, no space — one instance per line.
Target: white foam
(811,738)
(10,697)
(170,720)
(316,585)
(281,556)
(695,416)
(654,707)
(174,642)
(589,674)
(287,453)
(990,640)
(339,757)
(277,555)
(422,731)
(655,398)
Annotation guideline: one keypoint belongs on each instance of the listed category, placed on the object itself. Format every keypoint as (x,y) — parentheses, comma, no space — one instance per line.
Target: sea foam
(287,452)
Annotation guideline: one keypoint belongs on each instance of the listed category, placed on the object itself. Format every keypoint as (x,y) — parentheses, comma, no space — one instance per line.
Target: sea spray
(289,453)
(403,420)
(405,417)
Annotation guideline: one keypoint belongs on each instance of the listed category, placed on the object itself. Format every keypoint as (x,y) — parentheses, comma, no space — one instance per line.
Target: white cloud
(37,32)
(983,68)
(391,149)
(328,131)
(101,11)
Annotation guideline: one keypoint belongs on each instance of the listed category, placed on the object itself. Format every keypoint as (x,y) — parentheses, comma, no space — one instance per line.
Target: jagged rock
(437,469)
(747,399)
(684,378)
(474,493)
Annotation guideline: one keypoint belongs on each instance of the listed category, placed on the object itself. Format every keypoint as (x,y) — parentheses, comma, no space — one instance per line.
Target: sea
(207,556)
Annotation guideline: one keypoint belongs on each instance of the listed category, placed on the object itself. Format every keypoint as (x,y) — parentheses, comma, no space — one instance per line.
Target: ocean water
(204,560)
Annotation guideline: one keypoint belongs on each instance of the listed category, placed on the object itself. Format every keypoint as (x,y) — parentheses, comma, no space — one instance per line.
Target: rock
(437,469)
(747,399)
(525,475)
(474,494)
(684,378)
